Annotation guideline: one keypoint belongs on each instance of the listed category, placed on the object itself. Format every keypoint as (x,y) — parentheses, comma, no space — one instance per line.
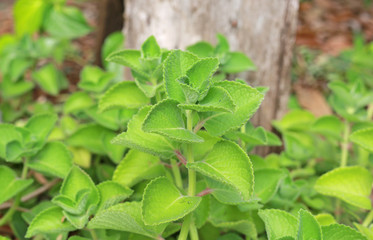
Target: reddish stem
(205,192)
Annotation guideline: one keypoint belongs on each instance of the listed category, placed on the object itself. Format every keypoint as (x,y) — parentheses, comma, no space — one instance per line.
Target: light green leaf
(50,79)
(328,125)
(279,224)
(90,137)
(10,136)
(41,125)
(162,202)
(112,43)
(200,73)
(191,94)
(123,95)
(340,232)
(201,49)
(166,119)
(150,48)
(28,15)
(363,138)
(66,23)
(227,216)
(77,101)
(222,46)
(49,221)
(18,67)
(94,79)
(136,138)
(125,217)
(247,101)
(351,184)
(108,119)
(115,152)
(129,58)
(175,66)
(216,100)
(53,159)
(230,236)
(144,84)
(295,120)
(308,227)
(137,166)
(325,219)
(112,193)
(267,182)
(366,231)
(228,163)
(10,89)
(299,145)
(236,62)
(10,184)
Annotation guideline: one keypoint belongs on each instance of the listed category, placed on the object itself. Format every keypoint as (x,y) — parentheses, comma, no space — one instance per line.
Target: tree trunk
(263,29)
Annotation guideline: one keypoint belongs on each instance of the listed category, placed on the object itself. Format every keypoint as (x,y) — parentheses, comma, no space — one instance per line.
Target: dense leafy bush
(170,154)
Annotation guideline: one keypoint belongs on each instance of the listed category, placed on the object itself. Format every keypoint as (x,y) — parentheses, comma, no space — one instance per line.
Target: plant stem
(370,111)
(368,219)
(185,228)
(346,134)
(188,224)
(9,214)
(93,234)
(176,172)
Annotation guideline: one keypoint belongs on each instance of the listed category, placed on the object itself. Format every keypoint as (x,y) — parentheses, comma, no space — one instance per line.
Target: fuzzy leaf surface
(351,184)
(247,101)
(308,227)
(163,202)
(279,224)
(341,232)
(363,138)
(112,193)
(227,163)
(136,138)
(125,217)
(166,119)
(123,95)
(267,182)
(10,184)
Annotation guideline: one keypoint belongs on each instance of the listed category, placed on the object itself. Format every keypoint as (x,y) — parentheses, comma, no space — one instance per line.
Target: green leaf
(28,15)
(230,236)
(150,48)
(90,137)
(222,46)
(112,193)
(125,217)
(201,49)
(175,66)
(114,42)
(166,119)
(144,84)
(50,79)
(191,94)
(328,125)
(77,101)
(363,138)
(228,163)
(94,79)
(78,197)
(11,89)
(129,58)
(123,95)
(66,23)
(10,184)
(325,219)
(49,221)
(41,125)
(299,145)
(162,202)
(108,119)
(53,159)
(10,136)
(295,120)
(351,184)
(279,224)
(236,62)
(308,228)
(247,101)
(136,138)
(216,100)
(267,182)
(137,166)
(200,73)
(340,232)
(115,152)
(18,67)
(227,216)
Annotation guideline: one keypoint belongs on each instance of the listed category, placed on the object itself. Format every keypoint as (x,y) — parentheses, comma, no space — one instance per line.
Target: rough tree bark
(263,29)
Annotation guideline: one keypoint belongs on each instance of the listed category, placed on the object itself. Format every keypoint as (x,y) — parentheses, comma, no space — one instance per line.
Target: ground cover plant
(170,155)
